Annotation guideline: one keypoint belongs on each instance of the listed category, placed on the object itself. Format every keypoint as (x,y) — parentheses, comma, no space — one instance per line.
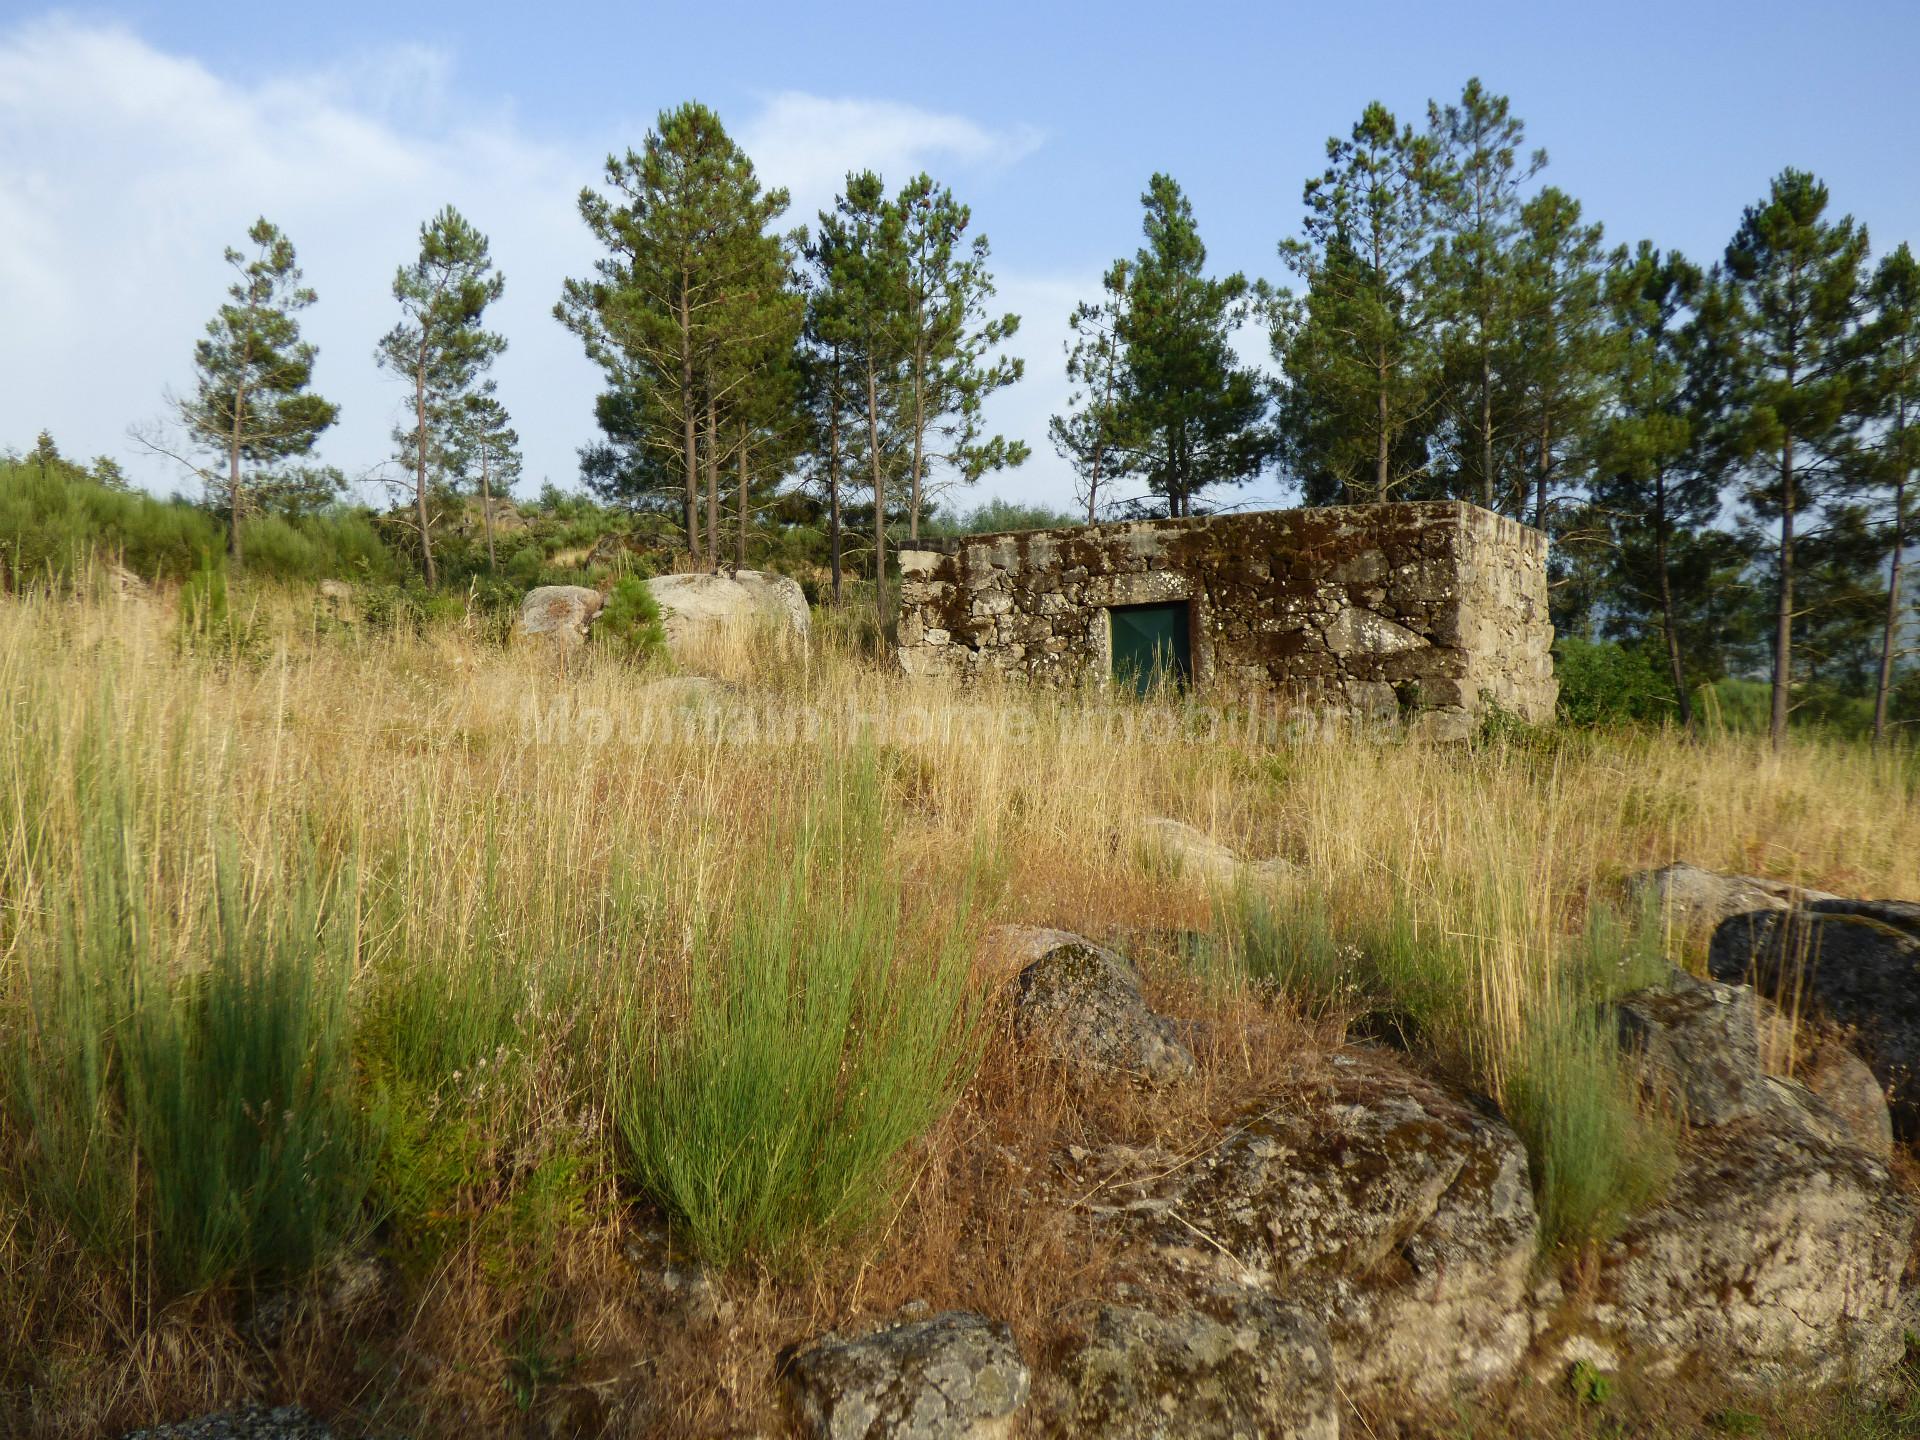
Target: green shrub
(200,1126)
(1602,683)
(54,520)
(629,623)
(819,1040)
(335,543)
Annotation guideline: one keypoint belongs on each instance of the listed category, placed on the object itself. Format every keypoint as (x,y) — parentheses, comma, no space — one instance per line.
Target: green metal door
(1151,645)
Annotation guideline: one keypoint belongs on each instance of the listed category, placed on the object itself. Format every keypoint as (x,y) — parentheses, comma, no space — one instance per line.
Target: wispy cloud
(125,170)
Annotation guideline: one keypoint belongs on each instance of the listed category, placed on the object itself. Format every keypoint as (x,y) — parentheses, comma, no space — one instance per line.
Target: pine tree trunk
(691,447)
(879,498)
(1675,668)
(919,444)
(740,556)
(713,486)
(1380,449)
(1542,475)
(1486,424)
(833,487)
(420,463)
(1889,637)
(486,506)
(1783,617)
(233,478)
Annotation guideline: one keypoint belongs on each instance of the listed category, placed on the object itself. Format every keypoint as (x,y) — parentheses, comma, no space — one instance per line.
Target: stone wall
(1438,609)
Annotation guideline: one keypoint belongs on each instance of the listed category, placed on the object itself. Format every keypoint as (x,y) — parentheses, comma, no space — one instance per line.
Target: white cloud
(809,143)
(125,171)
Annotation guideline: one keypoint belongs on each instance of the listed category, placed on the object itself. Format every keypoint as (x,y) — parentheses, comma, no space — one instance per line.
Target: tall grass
(197,1125)
(824,1032)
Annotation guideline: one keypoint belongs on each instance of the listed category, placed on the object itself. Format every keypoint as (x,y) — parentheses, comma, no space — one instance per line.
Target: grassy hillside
(514,972)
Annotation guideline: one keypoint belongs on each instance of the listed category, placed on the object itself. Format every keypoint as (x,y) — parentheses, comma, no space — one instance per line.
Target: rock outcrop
(1699,1045)
(1780,1246)
(1694,901)
(558,614)
(1083,1003)
(1236,1365)
(696,608)
(1854,963)
(1190,851)
(955,1376)
(1398,1213)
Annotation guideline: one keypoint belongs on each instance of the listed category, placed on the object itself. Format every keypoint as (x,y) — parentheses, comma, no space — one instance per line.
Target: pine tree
(1359,352)
(440,348)
(1477,178)
(1087,437)
(1655,504)
(951,337)
(251,403)
(685,296)
(1891,403)
(486,449)
(864,241)
(1797,276)
(1192,414)
(1560,356)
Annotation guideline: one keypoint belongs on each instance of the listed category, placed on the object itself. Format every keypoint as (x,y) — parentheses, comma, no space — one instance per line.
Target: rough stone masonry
(1435,611)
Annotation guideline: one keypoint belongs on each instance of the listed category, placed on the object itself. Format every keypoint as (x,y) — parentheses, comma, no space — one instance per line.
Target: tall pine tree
(1891,403)
(1797,276)
(1192,414)
(1087,436)
(440,349)
(251,403)
(1359,352)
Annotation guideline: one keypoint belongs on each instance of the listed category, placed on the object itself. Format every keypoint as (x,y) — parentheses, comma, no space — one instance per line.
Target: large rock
(560,614)
(1699,1045)
(1190,851)
(1234,1366)
(1695,900)
(697,608)
(1855,963)
(1397,1212)
(1773,1255)
(288,1422)
(955,1376)
(1083,1003)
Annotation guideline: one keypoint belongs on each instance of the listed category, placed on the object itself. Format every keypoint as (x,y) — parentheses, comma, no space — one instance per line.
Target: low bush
(54,521)
(824,1032)
(1603,683)
(629,623)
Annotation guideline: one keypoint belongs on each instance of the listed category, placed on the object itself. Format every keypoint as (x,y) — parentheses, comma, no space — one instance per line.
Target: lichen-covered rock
(1855,963)
(696,608)
(1774,1254)
(1695,900)
(1699,1045)
(1083,1003)
(955,1376)
(560,614)
(1237,1365)
(1398,1213)
(1193,852)
(288,1422)
(1850,1092)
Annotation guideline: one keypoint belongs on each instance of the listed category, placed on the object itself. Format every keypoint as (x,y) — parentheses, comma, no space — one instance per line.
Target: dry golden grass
(509,818)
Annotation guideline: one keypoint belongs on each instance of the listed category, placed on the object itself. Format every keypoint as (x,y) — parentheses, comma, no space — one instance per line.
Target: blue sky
(136,140)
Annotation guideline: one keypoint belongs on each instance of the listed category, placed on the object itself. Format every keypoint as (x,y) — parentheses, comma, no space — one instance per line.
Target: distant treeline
(1723,452)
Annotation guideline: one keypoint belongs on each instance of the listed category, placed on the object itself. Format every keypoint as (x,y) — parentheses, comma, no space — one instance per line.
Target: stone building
(1436,611)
